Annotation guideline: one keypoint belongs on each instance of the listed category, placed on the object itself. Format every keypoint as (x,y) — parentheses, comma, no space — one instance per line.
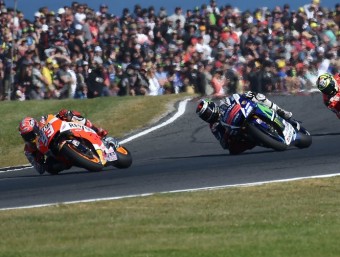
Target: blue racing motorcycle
(263,126)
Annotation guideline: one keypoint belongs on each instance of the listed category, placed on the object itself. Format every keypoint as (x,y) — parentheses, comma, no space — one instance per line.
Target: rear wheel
(84,158)
(266,139)
(124,158)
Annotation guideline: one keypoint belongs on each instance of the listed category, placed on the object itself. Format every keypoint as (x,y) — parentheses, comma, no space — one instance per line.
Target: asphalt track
(184,155)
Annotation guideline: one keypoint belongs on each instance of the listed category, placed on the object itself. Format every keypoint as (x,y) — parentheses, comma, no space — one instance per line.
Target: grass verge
(299,218)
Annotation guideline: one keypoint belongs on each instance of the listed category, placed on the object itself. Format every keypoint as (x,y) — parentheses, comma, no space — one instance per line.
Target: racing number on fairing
(46,132)
(248,108)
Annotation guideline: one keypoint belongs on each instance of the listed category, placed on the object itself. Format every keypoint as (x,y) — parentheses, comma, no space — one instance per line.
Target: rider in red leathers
(212,113)
(329,86)
(29,131)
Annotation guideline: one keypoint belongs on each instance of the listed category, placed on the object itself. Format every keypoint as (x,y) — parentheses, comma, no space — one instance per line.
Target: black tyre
(80,159)
(124,158)
(268,141)
(305,140)
(53,172)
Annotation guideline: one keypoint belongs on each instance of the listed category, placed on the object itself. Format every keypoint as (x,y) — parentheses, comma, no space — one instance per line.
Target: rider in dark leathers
(212,113)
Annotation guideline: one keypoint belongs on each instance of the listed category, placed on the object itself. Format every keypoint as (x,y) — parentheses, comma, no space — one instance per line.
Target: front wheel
(84,157)
(124,158)
(304,139)
(266,140)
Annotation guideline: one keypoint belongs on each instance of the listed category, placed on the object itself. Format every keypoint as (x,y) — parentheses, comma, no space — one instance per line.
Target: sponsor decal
(288,132)
(232,114)
(248,108)
(76,125)
(77,118)
(110,155)
(48,130)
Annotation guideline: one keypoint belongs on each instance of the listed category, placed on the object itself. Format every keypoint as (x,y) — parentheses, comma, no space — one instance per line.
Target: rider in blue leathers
(212,113)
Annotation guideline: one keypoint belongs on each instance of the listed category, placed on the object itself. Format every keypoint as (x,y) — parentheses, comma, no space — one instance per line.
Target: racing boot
(288,117)
(284,114)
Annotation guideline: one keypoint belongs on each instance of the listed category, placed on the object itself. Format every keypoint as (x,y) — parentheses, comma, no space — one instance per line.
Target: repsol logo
(75,125)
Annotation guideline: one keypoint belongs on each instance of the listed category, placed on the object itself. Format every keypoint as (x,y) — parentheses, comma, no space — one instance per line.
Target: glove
(102,132)
(65,115)
(40,168)
(37,160)
(249,94)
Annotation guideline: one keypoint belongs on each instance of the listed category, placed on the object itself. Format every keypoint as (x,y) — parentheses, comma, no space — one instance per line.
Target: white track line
(180,112)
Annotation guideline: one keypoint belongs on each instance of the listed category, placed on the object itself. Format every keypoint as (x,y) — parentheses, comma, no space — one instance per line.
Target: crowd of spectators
(78,52)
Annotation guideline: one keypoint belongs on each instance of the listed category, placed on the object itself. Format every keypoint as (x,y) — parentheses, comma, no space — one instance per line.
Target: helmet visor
(326,85)
(206,115)
(29,137)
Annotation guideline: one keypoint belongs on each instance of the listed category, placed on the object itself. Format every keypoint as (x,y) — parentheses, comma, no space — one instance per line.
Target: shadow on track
(227,154)
(326,134)
(62,173)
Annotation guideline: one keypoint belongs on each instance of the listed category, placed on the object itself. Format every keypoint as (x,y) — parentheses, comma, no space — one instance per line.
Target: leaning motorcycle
(263,126)
(75,144)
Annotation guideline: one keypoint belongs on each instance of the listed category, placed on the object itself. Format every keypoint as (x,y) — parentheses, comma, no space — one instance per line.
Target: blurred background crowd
(212,49)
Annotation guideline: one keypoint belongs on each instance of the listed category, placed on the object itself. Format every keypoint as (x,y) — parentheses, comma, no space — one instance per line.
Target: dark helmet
(29,129)
(208,111)
(327,84)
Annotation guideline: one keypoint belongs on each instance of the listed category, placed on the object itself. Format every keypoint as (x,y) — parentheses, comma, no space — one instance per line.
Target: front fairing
(263,115)
(235,113)
(266,112)
(48,131)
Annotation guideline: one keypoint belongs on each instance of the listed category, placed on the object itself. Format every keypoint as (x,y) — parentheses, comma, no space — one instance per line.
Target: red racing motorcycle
(75,144)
